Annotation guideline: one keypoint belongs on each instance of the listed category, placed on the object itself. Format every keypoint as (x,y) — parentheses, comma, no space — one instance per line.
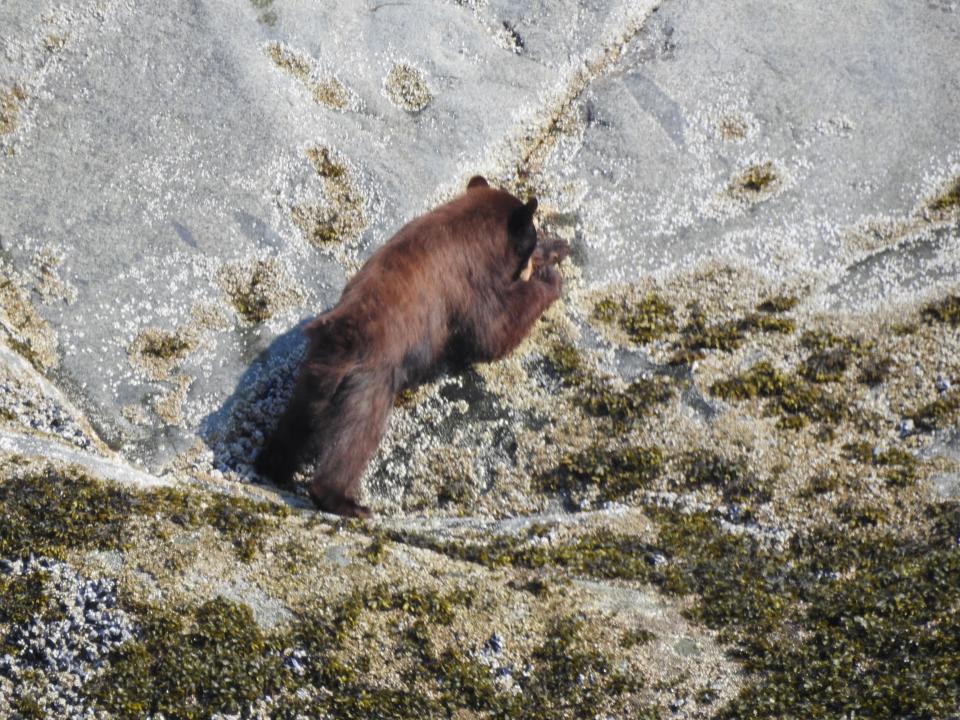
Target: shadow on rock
(236,431)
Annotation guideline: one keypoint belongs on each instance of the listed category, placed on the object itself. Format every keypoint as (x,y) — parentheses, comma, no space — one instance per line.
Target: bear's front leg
(507,324)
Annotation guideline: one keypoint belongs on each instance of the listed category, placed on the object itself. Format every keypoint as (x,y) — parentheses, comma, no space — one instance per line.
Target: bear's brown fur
(461,284)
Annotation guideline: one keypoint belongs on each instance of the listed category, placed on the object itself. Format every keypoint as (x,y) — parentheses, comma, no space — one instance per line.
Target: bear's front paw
(548,274)
(550,250)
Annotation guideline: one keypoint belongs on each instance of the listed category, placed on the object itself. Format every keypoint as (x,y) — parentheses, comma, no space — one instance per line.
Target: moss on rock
(644,320)
(50,513)
(613,473)
(795,400)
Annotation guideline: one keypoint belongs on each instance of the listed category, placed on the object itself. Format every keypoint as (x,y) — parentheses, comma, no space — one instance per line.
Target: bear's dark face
(522,236)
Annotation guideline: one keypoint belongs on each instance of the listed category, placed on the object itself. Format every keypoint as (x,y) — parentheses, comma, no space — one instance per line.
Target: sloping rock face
(719,479)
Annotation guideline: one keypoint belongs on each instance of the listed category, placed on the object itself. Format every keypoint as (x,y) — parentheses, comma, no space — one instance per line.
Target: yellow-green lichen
(27,332)
(407,88)
(258,288)
(10,101)
(732,127)
(755,179)
(325,90)
(342,218)
(948,200)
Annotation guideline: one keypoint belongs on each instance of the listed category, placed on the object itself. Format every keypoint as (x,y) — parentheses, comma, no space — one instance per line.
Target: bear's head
(522,235)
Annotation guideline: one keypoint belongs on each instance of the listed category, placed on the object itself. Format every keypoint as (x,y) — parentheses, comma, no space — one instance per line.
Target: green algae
(823,340)
(732,127)
(50,513)
(644,320)
(325,90)
(29,709)
(902,466)
(613,473)
(572,677)
(946,310)
(23,597)
(826,365)
(406,398)
(766,323)
(861,514)
(203,662)
(844,621)
(635,637)
(822,484)
(732,478)
(596,394)
(938,414)
(164,345)
(244,522)
(27,333)
(599,554)
(875,370)
(778,304)
(699,335)
(567,362)
(413,602)
(325,165)
(630,404)
(794,399)
(378,549)
(831,355)
(290,62)
(213,660)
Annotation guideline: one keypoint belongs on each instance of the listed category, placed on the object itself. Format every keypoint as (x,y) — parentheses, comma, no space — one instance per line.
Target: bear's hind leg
(351,429)
(281,455)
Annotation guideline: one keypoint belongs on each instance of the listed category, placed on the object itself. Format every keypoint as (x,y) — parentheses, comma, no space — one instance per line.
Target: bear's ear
(477,181)
(522,217)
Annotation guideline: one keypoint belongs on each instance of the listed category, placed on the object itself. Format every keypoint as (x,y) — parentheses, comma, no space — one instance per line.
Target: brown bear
(459,285)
